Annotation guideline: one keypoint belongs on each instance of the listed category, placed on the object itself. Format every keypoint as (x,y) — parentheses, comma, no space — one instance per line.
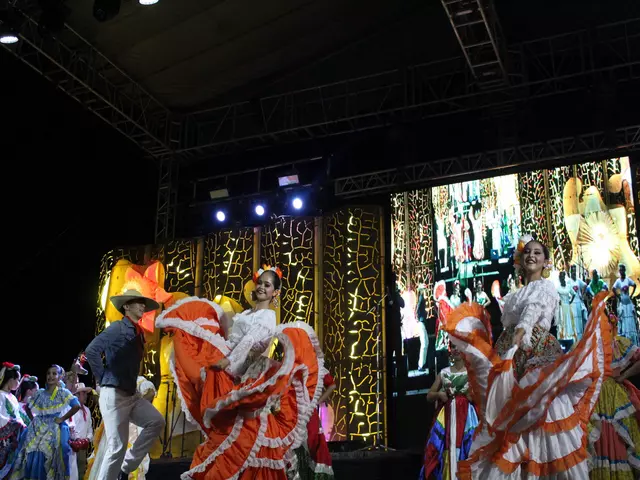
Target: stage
(372,465)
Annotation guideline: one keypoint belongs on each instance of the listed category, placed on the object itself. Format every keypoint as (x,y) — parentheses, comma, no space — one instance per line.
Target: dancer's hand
(58,420)
(443,397)
(222,364)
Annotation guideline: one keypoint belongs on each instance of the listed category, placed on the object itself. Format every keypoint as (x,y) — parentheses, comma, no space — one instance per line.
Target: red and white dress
(319,455)
(534,402)
(255,413)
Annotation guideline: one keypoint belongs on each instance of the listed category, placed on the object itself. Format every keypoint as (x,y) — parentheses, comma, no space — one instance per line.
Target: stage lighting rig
(10,23)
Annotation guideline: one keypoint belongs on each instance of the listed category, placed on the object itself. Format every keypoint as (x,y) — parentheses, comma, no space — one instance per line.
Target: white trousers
(424,344)
(118,410)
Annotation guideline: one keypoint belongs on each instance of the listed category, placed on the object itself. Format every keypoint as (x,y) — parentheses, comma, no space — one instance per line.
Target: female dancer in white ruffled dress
(533,402)
(624,289)
(253,410)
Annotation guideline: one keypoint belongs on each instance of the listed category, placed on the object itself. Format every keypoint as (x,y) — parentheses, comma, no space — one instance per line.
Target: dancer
(444,308)
(28,388)
(480,296)
(44,451)
(81,434)
(253,410)
(421,315)
(314,459)
(122,344)
(614,440)
(567,326)
(624,288)
(578,308)
(455,423)
(11,422)
(533,401)
(145,390)
(596,285)
(455,299)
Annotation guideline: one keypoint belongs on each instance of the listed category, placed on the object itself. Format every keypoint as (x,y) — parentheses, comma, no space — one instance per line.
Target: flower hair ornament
(265,268)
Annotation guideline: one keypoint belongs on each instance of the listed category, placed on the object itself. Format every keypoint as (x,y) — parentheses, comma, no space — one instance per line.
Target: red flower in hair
(8,365)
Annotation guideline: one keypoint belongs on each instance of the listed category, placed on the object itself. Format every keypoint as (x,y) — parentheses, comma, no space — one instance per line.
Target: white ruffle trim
(233,436)
(195,330)
(320,468)
(183,404)
(214,305)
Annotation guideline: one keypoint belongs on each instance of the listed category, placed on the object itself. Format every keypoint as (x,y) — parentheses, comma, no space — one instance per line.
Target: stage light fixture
(297,203)
(104,10)
(221,216)
(260,210)
(8,38)
(10,24)
(288,180)
(219,193)
(148,2)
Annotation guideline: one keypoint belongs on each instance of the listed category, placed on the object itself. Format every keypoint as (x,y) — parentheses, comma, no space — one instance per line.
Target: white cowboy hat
(80,387)
(119,300)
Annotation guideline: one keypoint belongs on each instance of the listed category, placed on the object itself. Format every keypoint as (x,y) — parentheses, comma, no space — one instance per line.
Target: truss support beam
(166,209)
(475,24)
(498,162)
(553,65)
(77,68)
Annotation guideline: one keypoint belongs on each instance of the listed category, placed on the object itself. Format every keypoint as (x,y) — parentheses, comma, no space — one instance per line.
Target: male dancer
(122,344)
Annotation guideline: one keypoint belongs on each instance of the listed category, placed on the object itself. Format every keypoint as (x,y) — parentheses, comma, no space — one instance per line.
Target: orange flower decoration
(265,268)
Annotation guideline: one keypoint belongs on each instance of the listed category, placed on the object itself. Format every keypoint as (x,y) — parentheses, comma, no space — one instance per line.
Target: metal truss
(548,66)
(166,209)
(476,26)
(86,75)
(563,150)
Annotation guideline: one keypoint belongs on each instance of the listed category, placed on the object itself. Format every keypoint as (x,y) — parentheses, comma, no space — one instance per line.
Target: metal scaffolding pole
(476,27)
(553,65)
(558,151)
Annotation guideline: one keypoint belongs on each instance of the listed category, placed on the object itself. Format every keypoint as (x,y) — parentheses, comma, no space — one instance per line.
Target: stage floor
(372,465)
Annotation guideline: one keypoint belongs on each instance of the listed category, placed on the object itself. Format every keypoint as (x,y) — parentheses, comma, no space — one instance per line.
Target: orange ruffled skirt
(251,425)
(536,426)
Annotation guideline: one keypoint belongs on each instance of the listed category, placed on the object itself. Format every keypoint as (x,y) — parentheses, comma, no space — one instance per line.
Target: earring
(546,271)
(275,302)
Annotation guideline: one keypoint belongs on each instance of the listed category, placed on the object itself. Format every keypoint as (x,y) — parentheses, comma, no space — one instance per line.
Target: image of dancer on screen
(252,409)
(614,436)
(578,308)
(421,316)
(444,308)
(533,401)
(455,422)
(567,326)
(624,288)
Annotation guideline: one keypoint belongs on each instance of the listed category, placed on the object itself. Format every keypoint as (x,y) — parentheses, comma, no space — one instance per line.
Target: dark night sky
(74,188)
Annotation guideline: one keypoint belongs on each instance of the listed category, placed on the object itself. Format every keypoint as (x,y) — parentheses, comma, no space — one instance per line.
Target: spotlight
(8,38)
(104,10)
(220,216)
(148,2)
(10,25)
(259,210)
(297,203)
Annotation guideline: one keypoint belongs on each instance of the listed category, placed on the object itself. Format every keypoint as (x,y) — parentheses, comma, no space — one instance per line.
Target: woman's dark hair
(9,375)
(545,249)
(275,279)
(27,385)
(58,368)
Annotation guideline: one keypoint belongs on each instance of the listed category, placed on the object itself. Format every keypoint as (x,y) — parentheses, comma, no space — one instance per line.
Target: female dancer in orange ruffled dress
(534,402)
(252,409)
